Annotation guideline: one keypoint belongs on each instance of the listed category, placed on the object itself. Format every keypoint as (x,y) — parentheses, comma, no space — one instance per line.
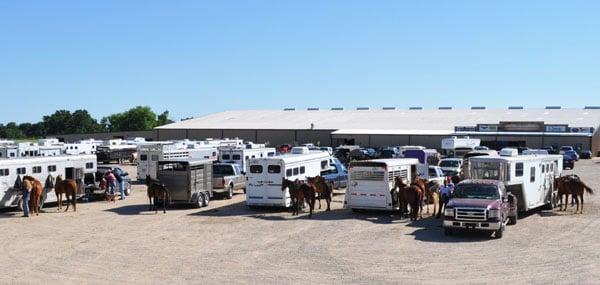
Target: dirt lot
(226,242)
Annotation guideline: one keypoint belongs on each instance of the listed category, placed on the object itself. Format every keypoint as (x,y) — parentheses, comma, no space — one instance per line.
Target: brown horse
(323,188)
(37,193)
(413,195)
(431,191)
(296,195)
(156,190)
(422,185)
(402,195)
(68,187)
(309,193)
(571,185)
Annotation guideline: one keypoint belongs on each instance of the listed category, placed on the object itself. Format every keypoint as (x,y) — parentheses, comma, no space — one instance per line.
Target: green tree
(57,123)
(11,131)
(81,122)
(140,118)
(163,119)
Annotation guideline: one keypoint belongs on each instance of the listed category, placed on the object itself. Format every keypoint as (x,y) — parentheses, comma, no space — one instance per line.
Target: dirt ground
(229,243)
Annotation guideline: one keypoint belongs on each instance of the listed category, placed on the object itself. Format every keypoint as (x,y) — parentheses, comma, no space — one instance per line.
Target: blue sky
(200,57)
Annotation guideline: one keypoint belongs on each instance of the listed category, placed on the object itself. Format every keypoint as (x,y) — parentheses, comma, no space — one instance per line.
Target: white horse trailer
(241,155)
(370,182)
(79,148)
(529,177)
(150,154)
(263,187)
(458,147)
(69,166)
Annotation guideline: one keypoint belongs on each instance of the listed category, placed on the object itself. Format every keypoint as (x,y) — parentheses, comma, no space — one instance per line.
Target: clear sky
(200,57)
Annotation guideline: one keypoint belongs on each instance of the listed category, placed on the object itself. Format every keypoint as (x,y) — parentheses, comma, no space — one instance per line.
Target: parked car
(550,149)
(337,174)
(451,166)
(586,154)
(568,161)
(483,205)
(572,154)
(390,152)
(521,149)
(226,178)
(481,147)
(565,148)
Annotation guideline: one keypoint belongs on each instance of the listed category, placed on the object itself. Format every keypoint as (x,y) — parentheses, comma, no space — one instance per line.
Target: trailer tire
(206,199)
(229,193)
(448,232)
(513,219)
(199,201)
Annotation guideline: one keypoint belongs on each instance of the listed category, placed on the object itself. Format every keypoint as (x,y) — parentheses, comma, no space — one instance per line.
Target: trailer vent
(515,108)
(415,108)
(362,108)
(592,107)
(313,109)
(445,108)
(553,107)
(289,109)
(337,109)
(389,108)
(478,108)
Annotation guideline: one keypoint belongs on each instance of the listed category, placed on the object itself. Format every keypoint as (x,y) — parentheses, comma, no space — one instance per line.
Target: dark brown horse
(309,193)
(68,187)
(296,195)
(37,193)
(571,185)
(413,195)
(323,188)
(402,195)
(422,185)
(431,193)
(155,191)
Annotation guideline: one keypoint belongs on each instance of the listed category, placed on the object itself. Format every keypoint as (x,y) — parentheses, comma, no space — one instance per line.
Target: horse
(401,195)
(37,193)
(422,185)
(68,187)
(431,190)
(296,195)
(413,195)
(154,190)
(571,185)
(309,193)
(323,188)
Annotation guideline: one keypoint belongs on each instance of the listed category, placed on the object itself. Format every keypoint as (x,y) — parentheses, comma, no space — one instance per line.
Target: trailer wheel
(229,192)
(199,201)
(206,199)
(448,232)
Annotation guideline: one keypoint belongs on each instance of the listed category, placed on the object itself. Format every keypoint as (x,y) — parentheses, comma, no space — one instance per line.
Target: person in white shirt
(446,193)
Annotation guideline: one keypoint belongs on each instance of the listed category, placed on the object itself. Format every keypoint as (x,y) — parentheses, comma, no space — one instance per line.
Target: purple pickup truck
(482,205)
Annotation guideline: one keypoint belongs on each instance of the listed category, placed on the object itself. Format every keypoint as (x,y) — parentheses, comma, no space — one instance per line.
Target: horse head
(285,183)
(398,182)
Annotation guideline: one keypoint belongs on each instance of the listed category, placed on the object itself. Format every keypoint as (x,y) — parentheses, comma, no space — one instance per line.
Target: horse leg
(165,202)
(581,211)
(576,199)
(74,197)
(319,197)
(59,200)
(427,203)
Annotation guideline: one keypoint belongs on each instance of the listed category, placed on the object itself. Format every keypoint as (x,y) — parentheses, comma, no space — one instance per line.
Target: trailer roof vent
(515,108)
(478,108)
(415,108)
(388,108)
(289,109)
(445,108)
(362,108)
(592,107)
(553,107)
(312,109)
(509,152)
(337,109)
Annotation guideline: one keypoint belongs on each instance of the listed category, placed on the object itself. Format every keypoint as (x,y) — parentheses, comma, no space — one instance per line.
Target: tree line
(63,122)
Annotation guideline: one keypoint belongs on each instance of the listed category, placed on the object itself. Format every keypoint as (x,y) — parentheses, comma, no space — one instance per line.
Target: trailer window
(154,157)
(543,168)
(21,170)
(143,157)
(271,154)
(175,166)
(89,165)
(519,169)
(288,172)
(256,169)
(532,175)
(51,168)
(225,157)
(302,169)
(237,157)
(274,169)
(36,169)
(296,171)
(486,170)
(4,172)
(324,164)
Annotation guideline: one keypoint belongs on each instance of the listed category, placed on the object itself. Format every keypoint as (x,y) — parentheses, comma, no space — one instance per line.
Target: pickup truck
(483,205)
(436,174)
(337,174)
(227,177)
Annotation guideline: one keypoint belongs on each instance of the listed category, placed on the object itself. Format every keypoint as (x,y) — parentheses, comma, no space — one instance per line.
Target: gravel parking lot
(123,242)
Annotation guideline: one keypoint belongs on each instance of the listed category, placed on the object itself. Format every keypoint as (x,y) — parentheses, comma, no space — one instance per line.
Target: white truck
(263,186)
(370,182)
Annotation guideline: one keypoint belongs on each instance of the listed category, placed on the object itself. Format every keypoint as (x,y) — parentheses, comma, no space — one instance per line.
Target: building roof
(394,121)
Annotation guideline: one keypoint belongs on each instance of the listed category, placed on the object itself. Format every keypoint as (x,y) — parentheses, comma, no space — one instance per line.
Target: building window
(532,175)
(519,169)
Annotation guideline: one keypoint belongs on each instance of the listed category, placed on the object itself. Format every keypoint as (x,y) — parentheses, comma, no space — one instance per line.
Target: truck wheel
(206,199)
(199,201)
(229,192)
(448,232)
(513,220)
(499,233)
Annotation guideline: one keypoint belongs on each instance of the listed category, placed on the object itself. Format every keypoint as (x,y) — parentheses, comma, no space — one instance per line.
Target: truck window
(226,157)
(432,172)
(274,169)
(222,170)
(519,169)
(474,191)
(256,169)
(288,172)
(532,176)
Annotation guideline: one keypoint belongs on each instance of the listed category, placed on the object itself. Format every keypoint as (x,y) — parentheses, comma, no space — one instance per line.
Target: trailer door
(368,188)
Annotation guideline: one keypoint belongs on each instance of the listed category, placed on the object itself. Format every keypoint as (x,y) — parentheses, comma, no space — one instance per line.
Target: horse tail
(587,188)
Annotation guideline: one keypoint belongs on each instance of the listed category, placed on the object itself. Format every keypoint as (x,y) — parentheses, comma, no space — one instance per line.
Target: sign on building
(521,126)
(556,128)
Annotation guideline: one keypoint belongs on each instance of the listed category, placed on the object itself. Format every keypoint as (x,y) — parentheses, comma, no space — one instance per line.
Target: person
(111,182)
(26,195)
(121,182)
(446,193)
